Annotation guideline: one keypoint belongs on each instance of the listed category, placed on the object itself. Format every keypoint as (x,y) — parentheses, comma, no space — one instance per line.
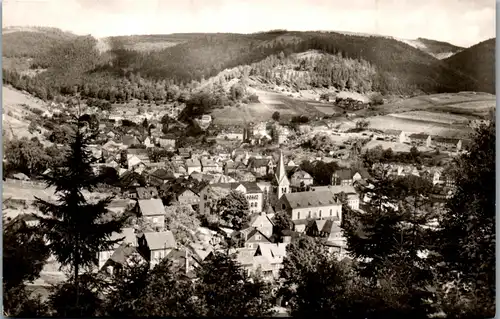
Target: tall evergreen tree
(74,227)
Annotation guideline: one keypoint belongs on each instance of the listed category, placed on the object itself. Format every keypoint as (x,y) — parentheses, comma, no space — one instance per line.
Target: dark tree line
(358,63)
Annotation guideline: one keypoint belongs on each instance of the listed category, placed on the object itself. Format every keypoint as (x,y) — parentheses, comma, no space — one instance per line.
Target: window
(283,206)
(331,212)
(309,214)
(319,214)
(155,220)
(298,215)
(258,237)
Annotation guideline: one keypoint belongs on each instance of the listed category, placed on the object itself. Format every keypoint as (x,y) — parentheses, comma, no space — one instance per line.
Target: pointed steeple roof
(280,170)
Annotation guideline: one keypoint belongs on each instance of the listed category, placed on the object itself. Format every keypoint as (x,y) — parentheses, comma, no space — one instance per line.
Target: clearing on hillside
(16,106)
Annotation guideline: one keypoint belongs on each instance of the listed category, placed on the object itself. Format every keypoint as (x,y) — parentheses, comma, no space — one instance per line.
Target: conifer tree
(74,227)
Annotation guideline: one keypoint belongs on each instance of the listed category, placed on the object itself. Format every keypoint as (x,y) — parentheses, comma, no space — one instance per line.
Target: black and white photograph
(249,158)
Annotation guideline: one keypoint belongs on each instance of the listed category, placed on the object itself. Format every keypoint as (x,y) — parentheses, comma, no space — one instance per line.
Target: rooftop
(311,199)
(160,240)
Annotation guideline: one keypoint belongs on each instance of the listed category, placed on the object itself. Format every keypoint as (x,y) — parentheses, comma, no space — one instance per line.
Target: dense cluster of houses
(198,178)
(316,211)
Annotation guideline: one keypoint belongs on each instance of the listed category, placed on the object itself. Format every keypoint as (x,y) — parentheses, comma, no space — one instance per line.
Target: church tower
(281,184)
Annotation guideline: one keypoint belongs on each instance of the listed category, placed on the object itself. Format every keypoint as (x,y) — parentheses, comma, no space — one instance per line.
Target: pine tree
(74,227)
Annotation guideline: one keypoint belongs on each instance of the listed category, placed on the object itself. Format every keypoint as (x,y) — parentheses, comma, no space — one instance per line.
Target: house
(186,196)
(232,167)
(351,194)
(209,166)
(167,141)
(421,139)
(343,177)
(243,176)
(185,261)
(302,206)
(193,165)
(129,181)
(146,192)
(156,245)
(398,134)
(252,193)
(262,222)
(206,119)
(360,175)
(129,238)
(300,178)
(133,162)
(451,143)
(260,166)
(160,177)
(251,237)
(124,255)
(152,210)
(149,142)
(266,258)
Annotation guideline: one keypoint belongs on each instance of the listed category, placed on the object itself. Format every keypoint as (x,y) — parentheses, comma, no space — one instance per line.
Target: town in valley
(278,173)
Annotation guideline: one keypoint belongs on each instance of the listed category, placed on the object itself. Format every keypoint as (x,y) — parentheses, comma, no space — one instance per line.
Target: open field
(386,122)
(270,102)
(475,104)
(436,117)
(14,111)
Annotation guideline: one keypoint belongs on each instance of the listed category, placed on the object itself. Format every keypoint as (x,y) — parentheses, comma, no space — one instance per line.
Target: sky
(460,22)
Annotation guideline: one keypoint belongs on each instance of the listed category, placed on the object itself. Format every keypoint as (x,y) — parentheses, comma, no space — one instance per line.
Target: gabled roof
(257,219)
(151,207)
(160,240)
(122,254)
(336,189)
(326,226)
(311,199)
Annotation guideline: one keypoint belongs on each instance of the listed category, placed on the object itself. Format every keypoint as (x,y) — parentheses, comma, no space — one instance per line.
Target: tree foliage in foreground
(75,228)
(466,240)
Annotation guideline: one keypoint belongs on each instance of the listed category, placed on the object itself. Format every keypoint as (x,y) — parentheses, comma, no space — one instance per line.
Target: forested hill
(32,42)
(479,62)
(75,64)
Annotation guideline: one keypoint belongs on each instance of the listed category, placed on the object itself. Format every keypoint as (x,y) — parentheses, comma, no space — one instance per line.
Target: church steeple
(280,170)
(281,182)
